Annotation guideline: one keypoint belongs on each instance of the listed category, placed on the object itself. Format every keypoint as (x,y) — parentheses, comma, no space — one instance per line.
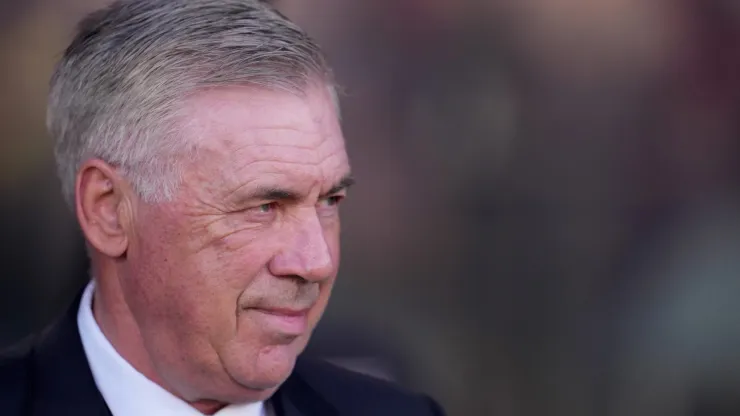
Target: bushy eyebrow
(272,194)
(344,183)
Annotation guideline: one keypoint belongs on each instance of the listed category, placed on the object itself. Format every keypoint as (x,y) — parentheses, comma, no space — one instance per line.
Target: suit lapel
(62,381)
(297,398)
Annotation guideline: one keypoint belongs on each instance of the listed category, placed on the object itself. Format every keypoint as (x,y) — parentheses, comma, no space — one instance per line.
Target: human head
(198,142)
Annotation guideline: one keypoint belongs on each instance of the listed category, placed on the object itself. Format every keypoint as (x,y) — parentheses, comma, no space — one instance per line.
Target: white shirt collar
(126,391)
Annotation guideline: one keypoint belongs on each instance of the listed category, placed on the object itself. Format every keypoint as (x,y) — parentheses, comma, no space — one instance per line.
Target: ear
(103,207)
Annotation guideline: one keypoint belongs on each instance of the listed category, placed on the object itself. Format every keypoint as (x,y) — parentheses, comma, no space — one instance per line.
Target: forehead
(244,134)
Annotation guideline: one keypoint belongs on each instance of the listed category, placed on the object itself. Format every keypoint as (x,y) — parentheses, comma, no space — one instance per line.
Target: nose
(305,252)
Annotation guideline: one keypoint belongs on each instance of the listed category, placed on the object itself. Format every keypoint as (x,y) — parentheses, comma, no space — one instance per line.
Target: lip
(286,321)
(284,311)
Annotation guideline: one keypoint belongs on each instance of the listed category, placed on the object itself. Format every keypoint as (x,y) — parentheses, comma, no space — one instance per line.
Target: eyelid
(339,197)
(255,211)
(341,193)
(331,202)
(256,205)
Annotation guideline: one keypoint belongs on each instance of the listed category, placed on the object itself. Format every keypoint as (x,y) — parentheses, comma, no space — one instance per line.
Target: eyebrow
(273,194)
(286,195)
(344,183)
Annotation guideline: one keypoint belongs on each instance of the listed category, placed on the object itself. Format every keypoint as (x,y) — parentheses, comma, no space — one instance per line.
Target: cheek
(234,261)
(221,274)
(188,284)
(223,258)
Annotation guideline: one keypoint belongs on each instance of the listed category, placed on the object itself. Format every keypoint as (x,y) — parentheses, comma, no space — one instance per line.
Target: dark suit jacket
(49,375)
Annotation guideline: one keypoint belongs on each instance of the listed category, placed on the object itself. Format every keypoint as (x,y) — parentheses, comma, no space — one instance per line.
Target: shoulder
(15,364)
(358,394)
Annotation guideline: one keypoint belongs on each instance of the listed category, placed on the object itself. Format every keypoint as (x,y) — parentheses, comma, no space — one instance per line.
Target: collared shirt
(126,391)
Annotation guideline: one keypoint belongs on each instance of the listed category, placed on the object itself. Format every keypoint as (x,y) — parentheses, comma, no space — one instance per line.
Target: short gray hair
(116,91)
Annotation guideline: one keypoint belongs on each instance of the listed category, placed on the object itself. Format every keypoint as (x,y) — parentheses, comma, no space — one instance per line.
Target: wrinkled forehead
(234,108)
(245,133)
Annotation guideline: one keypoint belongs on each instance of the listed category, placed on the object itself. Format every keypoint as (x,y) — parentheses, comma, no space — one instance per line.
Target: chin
(262,372)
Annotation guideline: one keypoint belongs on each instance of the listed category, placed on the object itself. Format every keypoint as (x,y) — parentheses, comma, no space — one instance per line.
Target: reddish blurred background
(547,219)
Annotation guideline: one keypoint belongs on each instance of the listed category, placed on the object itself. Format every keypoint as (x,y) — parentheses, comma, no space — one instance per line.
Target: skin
(214,293)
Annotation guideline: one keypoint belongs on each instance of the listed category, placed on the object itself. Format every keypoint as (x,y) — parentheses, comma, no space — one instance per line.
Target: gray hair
(115,93)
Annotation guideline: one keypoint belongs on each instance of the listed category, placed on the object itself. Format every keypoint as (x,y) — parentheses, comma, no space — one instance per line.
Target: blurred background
(547,220)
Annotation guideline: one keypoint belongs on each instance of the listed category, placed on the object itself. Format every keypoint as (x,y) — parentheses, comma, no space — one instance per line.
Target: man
(198,143)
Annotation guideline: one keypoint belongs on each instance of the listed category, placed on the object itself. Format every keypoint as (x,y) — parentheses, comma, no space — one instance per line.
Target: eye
(333,200)
(263,213)
(267,208)
(329,206)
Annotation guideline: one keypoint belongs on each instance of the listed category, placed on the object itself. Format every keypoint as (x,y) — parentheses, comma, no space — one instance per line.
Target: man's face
(228,279)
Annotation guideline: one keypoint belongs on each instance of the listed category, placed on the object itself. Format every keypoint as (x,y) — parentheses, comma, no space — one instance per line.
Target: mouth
(283,320)
(286,312)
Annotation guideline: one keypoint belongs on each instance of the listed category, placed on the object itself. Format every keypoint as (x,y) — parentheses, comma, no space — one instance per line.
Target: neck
(117,322)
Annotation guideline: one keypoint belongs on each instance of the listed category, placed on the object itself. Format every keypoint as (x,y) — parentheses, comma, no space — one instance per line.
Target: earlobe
(99,196)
